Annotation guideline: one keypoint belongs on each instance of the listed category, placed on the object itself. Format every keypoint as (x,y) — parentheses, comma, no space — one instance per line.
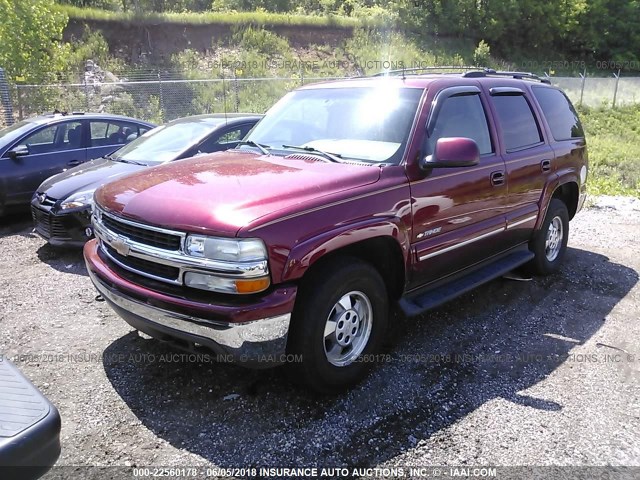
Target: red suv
(346,196)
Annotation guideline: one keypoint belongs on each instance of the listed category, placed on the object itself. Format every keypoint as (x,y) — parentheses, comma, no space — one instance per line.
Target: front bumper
(253,335)
(61,229)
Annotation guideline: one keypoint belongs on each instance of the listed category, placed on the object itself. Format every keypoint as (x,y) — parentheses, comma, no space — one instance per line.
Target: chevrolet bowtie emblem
(121,246)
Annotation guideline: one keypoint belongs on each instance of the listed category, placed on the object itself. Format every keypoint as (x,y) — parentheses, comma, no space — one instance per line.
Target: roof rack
(489,72)
(418,70)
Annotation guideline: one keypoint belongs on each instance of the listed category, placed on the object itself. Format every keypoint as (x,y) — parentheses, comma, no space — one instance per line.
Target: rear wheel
(549,244)
(340,318)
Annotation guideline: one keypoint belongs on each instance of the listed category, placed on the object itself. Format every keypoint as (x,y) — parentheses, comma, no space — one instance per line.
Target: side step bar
(418,302)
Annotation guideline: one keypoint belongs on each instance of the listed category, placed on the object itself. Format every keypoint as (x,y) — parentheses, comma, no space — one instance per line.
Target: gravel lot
(544,372)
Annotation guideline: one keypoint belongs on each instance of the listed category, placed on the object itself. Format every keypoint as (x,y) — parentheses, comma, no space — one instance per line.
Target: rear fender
(556,181)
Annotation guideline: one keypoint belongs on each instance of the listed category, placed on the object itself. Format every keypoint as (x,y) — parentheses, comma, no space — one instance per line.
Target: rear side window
(112,133)
(560,114)
(519,126)
(462,116)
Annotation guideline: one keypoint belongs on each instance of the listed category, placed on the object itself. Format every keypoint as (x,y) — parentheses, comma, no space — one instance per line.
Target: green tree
(608,29)
(31,39)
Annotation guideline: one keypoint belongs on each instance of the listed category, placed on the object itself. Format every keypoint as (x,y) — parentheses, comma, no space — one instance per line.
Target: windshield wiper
(334,157)
(259,146)
(122,160)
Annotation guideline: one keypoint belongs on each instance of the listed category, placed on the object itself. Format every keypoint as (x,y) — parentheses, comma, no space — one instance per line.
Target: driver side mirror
(452,152)
(19,151)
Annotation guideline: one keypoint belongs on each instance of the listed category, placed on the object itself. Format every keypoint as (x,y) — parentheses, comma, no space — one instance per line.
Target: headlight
(229,250)
(226,249)
(78,200)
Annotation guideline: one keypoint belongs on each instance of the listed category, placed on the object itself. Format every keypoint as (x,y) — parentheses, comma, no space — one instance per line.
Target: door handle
(545,165)
(497,178)
(74,163)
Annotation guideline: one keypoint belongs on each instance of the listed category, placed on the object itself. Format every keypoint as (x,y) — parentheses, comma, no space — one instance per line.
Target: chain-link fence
(600,92)
(159,98)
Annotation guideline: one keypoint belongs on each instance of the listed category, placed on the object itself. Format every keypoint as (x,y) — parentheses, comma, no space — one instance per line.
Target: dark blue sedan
(39,147)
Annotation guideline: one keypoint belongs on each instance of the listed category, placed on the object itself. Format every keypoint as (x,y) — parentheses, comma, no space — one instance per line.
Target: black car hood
(88,176)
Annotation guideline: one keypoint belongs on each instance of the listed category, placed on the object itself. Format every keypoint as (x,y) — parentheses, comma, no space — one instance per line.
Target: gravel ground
(541,372)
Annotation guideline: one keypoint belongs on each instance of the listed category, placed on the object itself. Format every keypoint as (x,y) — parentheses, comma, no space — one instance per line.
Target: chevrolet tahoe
(347,196)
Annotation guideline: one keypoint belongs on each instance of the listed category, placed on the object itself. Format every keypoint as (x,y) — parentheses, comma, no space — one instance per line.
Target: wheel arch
(564,188)
(385,247)
(569,193)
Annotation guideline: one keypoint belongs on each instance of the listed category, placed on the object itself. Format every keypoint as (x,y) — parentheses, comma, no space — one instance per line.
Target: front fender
(305,254)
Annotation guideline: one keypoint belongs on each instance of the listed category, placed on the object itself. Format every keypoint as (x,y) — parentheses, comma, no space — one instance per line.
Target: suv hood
(223,192)
(88,176)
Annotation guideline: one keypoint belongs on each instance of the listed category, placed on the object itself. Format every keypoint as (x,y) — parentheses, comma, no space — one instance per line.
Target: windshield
(16,130)
(366,124)
(167,142)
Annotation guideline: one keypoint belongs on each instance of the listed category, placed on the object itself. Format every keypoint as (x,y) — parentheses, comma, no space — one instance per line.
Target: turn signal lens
(252,286)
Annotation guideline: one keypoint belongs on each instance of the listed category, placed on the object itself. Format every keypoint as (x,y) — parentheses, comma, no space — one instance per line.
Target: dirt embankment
(158,41)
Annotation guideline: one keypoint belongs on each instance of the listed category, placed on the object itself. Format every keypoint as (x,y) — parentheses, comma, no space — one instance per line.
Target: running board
(418,302)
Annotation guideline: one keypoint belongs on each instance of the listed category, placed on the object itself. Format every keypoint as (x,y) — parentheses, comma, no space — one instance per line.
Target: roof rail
(489,72)
(418,70)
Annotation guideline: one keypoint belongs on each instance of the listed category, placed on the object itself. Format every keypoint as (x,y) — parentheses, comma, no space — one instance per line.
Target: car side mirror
(452,152)
(19,151)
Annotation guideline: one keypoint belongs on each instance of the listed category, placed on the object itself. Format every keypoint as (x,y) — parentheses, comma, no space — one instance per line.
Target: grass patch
(614,150)
(260,18)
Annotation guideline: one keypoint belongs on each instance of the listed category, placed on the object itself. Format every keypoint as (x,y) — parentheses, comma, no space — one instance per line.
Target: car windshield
(365,124)
(167,142)
(16,130)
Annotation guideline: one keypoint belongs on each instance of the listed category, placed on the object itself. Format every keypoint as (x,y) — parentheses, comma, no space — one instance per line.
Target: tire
(549,244)
(341,297)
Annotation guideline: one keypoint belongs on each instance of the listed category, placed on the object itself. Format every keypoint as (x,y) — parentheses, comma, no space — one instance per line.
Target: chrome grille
(143,235)
(144,266)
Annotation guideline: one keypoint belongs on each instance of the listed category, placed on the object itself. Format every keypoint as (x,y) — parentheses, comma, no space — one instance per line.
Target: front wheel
(549,244)
(339,321)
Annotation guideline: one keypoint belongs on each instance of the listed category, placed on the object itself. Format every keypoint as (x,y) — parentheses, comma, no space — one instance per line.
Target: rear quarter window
(560,114)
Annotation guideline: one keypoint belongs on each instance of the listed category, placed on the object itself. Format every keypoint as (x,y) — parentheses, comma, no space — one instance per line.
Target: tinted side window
(462,116)
(560,114)
(62,136)
(112,133)
(519,126)
(44,136)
